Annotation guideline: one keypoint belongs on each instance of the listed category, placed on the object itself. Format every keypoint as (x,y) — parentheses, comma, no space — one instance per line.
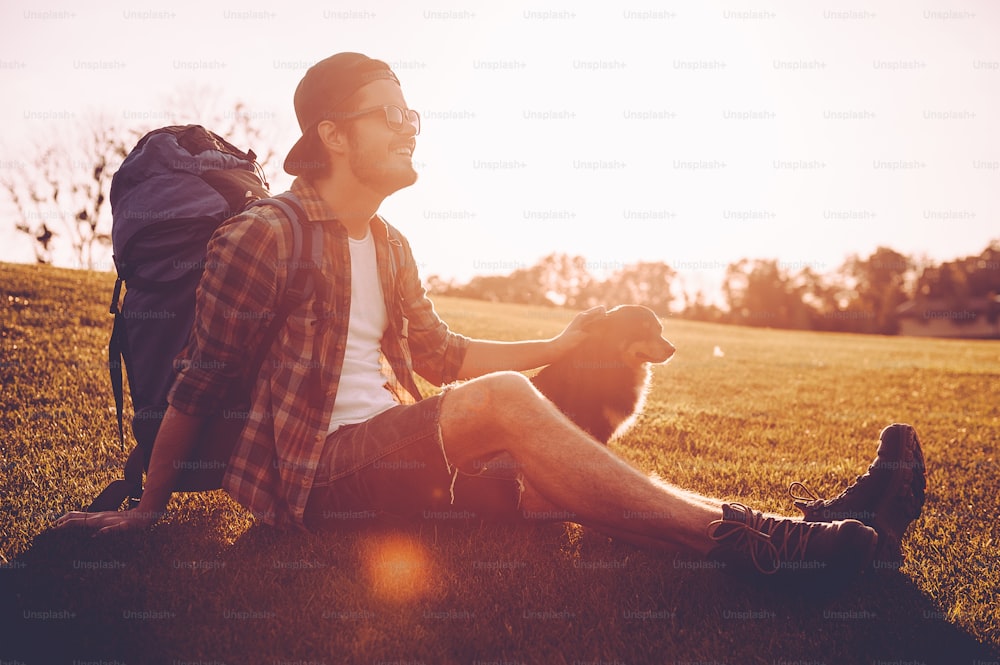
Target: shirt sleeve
(235,299)
(437,352)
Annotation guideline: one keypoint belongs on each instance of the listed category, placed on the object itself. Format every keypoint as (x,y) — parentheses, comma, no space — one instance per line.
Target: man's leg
(574,475)
(534,506)
(565,466)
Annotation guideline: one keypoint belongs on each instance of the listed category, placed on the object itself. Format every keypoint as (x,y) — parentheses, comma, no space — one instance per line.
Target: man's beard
(381,173)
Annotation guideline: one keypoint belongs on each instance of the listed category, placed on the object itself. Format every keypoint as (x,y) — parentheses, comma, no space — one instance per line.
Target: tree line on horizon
(862,295)
(61,190)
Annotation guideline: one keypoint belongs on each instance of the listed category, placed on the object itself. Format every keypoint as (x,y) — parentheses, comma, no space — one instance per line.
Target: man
(337,427)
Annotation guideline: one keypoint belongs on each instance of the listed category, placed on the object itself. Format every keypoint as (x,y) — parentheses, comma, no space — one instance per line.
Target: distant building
(976,318)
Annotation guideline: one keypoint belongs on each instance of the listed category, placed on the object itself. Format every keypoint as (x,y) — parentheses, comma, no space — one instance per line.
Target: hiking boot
(888,497)
(791,548)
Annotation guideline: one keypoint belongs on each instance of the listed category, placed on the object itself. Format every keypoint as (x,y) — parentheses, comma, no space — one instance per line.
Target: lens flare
(397,568)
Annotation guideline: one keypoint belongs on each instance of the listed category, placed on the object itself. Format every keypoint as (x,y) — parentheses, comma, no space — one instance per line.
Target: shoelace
(808,496)
(757,540)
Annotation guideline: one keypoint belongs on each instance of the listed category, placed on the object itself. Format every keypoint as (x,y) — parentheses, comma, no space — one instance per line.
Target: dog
(601,384)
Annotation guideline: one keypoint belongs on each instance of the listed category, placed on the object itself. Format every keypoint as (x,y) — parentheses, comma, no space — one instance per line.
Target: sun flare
(397,568)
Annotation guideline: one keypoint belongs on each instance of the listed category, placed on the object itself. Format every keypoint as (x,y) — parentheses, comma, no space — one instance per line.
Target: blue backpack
(172,191)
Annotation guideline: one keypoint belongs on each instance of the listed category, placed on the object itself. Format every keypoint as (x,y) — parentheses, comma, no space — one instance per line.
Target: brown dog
(602,383)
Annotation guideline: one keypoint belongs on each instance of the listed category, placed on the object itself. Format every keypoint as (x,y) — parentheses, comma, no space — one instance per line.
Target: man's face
(379,157)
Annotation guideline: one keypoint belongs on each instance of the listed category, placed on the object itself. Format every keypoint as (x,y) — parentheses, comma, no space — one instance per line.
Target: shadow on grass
(435,594)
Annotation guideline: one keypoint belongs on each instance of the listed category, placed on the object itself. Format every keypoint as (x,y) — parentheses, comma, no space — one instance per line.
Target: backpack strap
(131,486)
(115,359)
(117,491)
(306,255)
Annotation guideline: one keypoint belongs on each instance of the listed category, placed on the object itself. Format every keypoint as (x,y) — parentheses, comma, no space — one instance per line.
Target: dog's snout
(669,348)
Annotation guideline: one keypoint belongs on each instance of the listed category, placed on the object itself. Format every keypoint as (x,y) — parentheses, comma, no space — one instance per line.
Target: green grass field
(207,586)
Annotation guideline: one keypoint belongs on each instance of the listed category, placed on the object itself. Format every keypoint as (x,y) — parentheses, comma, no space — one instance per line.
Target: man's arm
(485,356)
(173,444)
(442,356)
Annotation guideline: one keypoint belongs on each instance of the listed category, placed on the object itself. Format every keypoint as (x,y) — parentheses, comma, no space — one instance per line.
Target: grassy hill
(207,585)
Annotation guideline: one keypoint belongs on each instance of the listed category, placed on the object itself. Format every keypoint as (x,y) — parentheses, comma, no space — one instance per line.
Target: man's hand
(485,356)
(576,331)
(177,434)
(107,522)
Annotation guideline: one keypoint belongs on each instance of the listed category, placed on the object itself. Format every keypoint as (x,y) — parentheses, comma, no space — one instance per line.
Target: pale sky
(693,134)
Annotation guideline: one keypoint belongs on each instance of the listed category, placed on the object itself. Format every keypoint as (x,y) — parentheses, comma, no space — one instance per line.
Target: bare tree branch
(64,180)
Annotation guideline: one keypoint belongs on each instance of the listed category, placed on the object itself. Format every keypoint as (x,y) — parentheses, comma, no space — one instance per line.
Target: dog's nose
(669,348)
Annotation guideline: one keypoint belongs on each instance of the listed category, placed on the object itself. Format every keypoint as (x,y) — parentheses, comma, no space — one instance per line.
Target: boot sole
(909,459)
(899,443)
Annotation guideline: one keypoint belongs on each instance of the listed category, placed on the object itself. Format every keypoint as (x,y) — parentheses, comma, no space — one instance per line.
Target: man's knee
(485,412)
(491,396)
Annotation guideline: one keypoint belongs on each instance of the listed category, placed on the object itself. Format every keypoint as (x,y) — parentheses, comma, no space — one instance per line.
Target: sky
(695,134)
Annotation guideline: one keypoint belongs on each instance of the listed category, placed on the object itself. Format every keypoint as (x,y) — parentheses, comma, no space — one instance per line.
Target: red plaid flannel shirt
(272,467)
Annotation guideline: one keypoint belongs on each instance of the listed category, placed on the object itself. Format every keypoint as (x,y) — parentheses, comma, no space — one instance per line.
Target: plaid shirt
(273,464)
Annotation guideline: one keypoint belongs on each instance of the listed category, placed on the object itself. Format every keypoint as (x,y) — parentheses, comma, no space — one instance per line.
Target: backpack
(172,191)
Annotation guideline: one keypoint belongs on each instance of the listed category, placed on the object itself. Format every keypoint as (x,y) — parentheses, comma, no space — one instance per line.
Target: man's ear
(332,136)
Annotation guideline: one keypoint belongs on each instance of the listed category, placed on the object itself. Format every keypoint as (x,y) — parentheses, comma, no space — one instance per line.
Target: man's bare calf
(565,469)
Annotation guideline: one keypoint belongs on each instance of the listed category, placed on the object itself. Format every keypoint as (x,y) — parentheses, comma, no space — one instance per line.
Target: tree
(984,271)
(962,279)
(645,283)
(880,286)
(65,185)
(697,308)
(761,293)
(817,298)
(564,280)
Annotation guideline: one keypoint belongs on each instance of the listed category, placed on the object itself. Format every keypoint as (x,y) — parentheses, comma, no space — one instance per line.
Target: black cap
(326,86)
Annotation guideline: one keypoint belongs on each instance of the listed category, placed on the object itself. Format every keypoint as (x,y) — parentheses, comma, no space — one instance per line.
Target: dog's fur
(601,384)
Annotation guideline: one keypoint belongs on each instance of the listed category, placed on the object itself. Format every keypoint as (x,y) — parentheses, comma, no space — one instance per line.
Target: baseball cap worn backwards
(326,86)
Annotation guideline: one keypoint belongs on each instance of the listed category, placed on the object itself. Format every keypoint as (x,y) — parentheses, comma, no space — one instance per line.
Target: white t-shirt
(362,392)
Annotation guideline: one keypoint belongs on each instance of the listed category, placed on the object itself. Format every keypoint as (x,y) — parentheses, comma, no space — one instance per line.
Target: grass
(207,585)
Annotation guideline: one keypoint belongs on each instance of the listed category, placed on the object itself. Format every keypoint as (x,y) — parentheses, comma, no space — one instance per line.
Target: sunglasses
(396,118)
